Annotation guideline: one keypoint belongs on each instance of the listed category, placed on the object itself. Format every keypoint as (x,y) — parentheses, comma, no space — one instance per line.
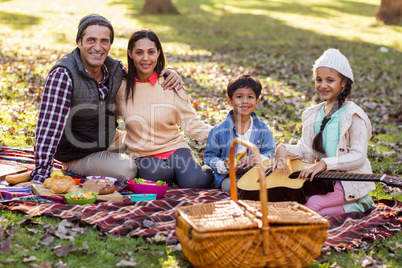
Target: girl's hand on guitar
(309,173)
(281,153)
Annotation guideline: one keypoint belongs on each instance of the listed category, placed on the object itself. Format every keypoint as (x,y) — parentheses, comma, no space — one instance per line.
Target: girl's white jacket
(355,131)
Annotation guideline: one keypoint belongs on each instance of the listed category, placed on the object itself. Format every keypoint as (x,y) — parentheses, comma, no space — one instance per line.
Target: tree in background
(159,7)
(390,11)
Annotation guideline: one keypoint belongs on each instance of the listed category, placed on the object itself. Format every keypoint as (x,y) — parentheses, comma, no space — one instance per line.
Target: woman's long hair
(318,142)
(131,70)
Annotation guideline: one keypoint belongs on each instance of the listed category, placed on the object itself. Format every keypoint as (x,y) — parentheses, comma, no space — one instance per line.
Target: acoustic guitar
(285,186)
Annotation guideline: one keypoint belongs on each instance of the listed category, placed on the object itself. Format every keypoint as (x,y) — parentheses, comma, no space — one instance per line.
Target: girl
(151,116)
(335,137)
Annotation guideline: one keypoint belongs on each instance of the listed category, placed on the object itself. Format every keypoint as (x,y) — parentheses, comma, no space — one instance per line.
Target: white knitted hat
(334,59)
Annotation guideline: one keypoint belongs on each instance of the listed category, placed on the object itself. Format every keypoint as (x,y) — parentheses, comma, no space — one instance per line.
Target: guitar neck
(343,176)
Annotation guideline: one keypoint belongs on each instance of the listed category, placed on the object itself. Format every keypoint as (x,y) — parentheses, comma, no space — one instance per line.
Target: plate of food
(101,178)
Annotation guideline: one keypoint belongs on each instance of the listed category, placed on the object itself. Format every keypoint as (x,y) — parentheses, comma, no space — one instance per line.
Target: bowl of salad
(141,186)
(81,197)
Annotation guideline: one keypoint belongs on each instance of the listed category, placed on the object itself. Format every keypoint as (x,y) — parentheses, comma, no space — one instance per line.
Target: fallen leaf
(46,264)
(124,263)
(103,235)
(62,227)
(149,224)
(85,245)
(62,251)
(9,261)
(60,264)
(173,248)
(156,239)
(5,246)
(47,239)
(33,231)
(29,259)
(141,248)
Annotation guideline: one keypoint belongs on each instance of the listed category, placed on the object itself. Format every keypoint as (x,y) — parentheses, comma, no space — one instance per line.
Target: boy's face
(244,101)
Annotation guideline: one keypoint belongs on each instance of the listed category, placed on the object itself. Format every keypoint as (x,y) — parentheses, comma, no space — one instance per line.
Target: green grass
(93,248)
(209,43)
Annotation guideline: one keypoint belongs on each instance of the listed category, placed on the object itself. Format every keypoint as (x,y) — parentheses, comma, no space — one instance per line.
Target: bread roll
(99,186)
(18,178)
(60,184)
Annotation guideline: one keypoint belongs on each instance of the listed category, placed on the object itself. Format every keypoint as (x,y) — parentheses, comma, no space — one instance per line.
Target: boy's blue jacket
(222,134)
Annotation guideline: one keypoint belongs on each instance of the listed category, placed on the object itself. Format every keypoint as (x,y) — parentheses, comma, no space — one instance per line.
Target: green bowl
(80,201)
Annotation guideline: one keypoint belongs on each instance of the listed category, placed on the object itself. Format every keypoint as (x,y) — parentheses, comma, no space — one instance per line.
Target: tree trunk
(390,11)
(159,7)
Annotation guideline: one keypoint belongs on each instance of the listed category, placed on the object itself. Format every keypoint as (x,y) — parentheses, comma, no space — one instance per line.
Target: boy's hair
(244,81)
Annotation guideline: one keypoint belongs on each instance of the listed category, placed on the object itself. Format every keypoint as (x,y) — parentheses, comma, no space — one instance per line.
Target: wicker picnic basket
(240,233)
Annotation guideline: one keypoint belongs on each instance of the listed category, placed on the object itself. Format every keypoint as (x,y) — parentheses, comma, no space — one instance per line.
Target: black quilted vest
(91,123)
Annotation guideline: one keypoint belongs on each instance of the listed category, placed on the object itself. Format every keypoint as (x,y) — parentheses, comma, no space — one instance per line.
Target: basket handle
(258,163)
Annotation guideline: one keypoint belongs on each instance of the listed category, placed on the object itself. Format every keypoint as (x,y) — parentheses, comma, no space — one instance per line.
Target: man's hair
(244,81)
(93,19)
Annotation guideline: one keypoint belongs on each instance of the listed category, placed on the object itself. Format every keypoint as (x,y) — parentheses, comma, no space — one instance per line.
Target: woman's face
(328,84)
(145,56)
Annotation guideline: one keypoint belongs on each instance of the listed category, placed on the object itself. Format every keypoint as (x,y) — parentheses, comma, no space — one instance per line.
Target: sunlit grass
(321,17)
(17,124)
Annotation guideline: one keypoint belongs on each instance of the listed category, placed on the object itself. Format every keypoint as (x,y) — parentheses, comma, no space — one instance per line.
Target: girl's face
(328,83)
(145,56)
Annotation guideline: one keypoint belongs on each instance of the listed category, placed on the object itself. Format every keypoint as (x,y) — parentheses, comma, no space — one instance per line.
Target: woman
(151,116)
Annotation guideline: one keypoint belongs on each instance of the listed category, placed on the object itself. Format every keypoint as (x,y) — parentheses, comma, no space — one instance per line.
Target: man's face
(94,46)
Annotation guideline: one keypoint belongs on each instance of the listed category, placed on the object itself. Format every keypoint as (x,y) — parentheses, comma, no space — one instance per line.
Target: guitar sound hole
(294,175)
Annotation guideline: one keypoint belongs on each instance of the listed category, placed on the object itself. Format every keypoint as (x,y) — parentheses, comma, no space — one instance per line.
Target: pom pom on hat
(93,19)
(334,59)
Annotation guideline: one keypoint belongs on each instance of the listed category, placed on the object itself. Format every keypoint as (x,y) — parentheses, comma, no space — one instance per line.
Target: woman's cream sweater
(152,117)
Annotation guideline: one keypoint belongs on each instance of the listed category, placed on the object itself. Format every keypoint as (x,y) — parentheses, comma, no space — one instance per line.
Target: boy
(243,95)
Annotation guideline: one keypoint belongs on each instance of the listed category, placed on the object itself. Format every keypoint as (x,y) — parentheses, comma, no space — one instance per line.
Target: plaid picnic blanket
(157,218)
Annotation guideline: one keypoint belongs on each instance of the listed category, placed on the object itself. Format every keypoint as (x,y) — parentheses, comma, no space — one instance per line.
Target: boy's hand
(226,162)
(245,162)
(173,80)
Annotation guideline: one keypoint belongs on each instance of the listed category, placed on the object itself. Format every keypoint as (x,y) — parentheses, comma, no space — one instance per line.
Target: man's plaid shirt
(53,114)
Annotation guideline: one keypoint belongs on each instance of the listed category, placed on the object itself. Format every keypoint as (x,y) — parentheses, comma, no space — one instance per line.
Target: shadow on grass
(344,6)
(18,21)
(204,20)
(268,45)
(207,25)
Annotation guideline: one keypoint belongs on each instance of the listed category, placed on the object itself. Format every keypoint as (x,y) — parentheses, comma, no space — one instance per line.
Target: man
(76,122)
